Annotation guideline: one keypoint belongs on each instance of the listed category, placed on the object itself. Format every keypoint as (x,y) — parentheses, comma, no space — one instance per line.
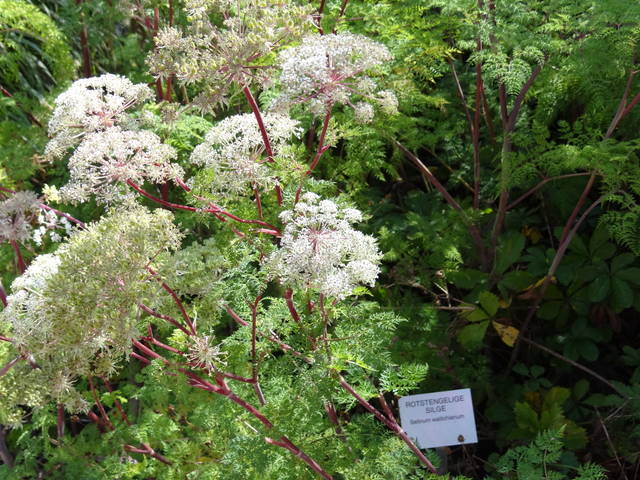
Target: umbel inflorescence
(216,55)
(110,148)
(321,251)
(232,150)
(92,105)
(333,69)
(73,313)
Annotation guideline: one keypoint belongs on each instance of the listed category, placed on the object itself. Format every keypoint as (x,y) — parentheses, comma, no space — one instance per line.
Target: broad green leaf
(630,275)
(526,417)
(517,280)
(621,295)
(472,335)
(621,261)
(509,251)
(489,302)
(599,288)
(467,278)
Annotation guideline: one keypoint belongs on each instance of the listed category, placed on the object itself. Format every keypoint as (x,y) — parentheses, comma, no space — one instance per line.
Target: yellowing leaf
(507,334)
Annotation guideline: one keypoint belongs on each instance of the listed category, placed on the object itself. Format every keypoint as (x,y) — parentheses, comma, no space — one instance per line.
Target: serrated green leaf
(599,288)
(489,303)
(471,336)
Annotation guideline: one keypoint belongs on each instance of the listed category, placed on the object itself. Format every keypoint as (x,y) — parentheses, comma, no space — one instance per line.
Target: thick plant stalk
(175,298)
(390,423)
(19,258)
(254,358)
(146,449)
(567,236)
(5,454)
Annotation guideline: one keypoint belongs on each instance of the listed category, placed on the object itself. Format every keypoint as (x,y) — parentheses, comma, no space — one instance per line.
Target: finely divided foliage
(105,295)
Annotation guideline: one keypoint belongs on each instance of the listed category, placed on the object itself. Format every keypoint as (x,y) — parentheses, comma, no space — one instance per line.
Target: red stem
(101,409)
(8,365)
(283,346)
(542,184)
(288,296)
(147,450)
(254,357)
(117,402)
(60,422)
(390,423)
(19,258)
(176,299)
(258,115)
(162,316)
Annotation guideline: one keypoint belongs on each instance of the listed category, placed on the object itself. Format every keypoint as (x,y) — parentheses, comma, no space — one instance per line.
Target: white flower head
(328,69)
(106,159)
(320,249)
(17,214)
(90,105)
(204,354)
(232,149)
(26,308)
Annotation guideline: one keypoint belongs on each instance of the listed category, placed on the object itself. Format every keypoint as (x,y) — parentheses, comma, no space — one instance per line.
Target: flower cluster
(91,105)
(328,69)
(204,354)
(16,216)
(232,149)
(218,55)
(106,159)
(112,150)
(52,224)
(74,312)
(22,218)
(320,250)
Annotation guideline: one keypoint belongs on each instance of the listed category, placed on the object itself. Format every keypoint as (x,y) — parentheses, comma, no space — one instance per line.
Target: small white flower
(90,105)
(232,149)
(203,354)
(320,250)
(16,216)
(328,69)
(106,159)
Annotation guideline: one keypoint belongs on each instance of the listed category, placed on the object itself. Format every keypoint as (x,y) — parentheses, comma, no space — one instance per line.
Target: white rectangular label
(439,419)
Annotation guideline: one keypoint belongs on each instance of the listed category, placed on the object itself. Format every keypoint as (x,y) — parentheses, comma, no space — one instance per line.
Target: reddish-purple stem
(390,423)
(60,422)
(176,299)
(272,338)
(117,402)
(147,450)
(263,130)
(288,296)
(162,316)
(19,258)
(8,365)
(254,357)
(101,409)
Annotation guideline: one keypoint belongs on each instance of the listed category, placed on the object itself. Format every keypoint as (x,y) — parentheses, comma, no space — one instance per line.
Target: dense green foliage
(503,193)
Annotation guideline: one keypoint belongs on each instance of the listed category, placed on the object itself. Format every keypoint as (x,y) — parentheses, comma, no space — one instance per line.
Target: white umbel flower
(328,69)
(320,250)
(90,105)
(26,306)
(16,216)
(233,147)
(106,159)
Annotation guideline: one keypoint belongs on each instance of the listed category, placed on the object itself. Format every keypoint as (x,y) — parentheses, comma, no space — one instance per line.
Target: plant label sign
(439,419)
